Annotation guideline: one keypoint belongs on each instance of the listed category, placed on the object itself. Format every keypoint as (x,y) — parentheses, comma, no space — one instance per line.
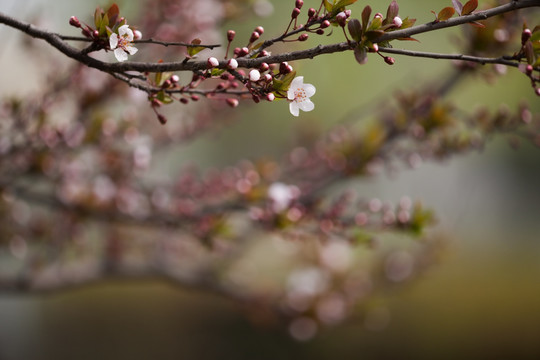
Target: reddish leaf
(393,10)
(360,54)
(445,13)
(408,39)
(458,6)
(469,7)
(477,24)
(366,13)
(355,29)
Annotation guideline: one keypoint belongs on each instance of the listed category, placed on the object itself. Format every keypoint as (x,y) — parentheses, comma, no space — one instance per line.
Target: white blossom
(299,94)
(121,43)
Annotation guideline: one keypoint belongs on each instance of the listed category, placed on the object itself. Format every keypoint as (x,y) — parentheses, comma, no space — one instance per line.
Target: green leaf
(103,26)
(283,84)
(469,7)
(98,16)
(355,29)
(360,54)
(446,13)
(193,50)
(328,6)
(164,98)
(217,72)
(366,14)
(375,24)
(340,6)
(407,23)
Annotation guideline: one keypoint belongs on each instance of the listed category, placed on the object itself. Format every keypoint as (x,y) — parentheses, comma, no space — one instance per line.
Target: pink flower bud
(264,67)
(378,16)
(537,91)
(319,32)
(184,100)
(212,62)
(397,21)
(267,78)
(325,24)
(270,97)
(303,37)
(230,35)
(374,48)
(195,97)
(348,13)
(288,69)
(525,35)
(232,64)
(389,60)
(175,78)
(137,35)
(254,36)
(256,98)
(162,119)
(528,69)
(254,75)
(73,21)
(341,19)
(295,13)
(283,66)
(311,12)
(243,52)
(95,34)
(259,29)
(232,102)
(299,4)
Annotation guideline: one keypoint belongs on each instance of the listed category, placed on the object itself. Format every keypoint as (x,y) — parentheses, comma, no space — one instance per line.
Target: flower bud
(288,69)
(348,13)
(303,37)
(95,34)
(525,35)
(256,98)
(184,100)
(325,24)
(264,53)
(311,12)
(374,48)
(341,19)
(397,21)
(254,75)
(232,102)
(267,78)
(232,64)
(73,21)
(319,32)
(264,67)
(389,60)
(537,91)
(195,97)
(137,35)
(230,35)
(270,97)
(295,13)
(283,66)
(299,4)
(175,78)
(243,52)
(378,15)
(212,62)
(254,36)
(162,119)
(528,69)
(259,29)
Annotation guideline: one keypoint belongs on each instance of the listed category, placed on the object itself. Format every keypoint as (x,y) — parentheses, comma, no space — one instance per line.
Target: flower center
(123,42)
(300,95)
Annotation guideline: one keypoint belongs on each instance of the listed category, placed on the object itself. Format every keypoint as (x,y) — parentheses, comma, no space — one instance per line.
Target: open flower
(121,43)
(299,94)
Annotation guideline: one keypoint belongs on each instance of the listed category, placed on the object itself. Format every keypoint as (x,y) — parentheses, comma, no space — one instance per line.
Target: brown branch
(56,41)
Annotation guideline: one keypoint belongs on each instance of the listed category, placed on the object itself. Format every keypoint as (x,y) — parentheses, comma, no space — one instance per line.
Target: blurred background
(482,300)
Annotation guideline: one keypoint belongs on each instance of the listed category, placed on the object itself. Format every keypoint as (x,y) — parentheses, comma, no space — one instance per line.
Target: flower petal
(120,54)
(306,105)
(290,93)
(310,90)
(113,41)
(297,82)
(131,50)
(294,109)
